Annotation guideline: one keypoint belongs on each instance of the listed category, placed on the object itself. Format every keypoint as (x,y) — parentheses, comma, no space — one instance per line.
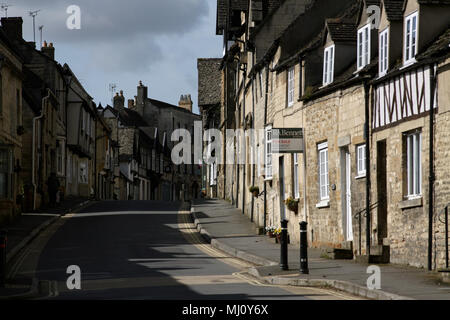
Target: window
(328,65)
(361,160)
(212,174)
(295,180)
(290,88)
(268,155)
(69,168)
(323,171)
(363,46)
(5,174)
(60,157)
(410,38)
(414,164)
(83,172)
(384,52)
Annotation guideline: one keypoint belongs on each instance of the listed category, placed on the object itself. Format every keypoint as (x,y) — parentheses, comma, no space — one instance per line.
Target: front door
(348,197)
(381,191)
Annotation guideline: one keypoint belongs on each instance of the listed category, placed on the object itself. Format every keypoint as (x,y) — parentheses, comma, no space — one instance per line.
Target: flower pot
(271,234)
(255,194)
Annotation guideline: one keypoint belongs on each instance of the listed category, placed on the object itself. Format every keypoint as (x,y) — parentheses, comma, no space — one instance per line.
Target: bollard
(303,248)
(3,240)
(284,246)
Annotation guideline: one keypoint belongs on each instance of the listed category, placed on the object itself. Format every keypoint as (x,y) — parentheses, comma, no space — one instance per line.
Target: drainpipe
(265,124)
(35,119)
(431,168)
(244,143)
(366,134)
(254,166)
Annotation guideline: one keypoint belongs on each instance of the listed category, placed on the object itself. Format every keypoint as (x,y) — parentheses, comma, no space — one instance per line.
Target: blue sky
(123,42)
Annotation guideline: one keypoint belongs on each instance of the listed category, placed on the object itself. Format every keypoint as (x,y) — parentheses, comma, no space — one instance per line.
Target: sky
(123,42)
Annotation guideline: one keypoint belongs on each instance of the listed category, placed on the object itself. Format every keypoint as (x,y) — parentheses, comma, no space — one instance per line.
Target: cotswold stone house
(370,94)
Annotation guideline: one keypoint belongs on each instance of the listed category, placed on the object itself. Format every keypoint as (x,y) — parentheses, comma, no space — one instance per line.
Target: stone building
(365,104)
(209,94)
(11,185)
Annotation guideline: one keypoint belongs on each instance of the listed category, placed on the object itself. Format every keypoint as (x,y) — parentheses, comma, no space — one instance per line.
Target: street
(141,250)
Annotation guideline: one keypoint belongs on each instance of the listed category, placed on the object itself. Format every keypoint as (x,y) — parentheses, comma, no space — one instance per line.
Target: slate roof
(342,32)
(129,118)
(440,47)
(394,9)
(161,104)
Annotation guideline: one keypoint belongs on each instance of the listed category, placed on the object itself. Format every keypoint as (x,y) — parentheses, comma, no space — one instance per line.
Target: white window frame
(361,160)
(328,65)
(410,46)
(296,178)
(290,86)
(268,154)
(363,46)
(414,165)
(324,182)
(383,45)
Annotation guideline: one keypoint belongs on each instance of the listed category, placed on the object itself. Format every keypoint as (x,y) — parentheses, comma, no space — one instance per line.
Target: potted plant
(292,204)
(271,231)
(277,234)
(255,191)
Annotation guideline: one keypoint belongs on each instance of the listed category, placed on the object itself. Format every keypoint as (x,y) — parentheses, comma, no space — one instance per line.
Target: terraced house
(367,81)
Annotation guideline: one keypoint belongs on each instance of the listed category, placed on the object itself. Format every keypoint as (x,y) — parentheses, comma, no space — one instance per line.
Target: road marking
(41,214)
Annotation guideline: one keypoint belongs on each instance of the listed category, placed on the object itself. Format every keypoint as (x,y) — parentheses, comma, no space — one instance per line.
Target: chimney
(13,27)
(119,101)
(142,93)
(49,50)
(185,102)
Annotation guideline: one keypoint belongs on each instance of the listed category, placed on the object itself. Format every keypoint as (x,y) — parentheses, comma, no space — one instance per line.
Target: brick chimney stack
(48,50)
(119,101)
(13,27)
(185,102)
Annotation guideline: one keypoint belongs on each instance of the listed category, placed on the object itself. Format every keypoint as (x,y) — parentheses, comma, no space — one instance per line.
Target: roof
(394,9)
(440,47)
(222,12)
(342,32)
(128,117)
(162,104)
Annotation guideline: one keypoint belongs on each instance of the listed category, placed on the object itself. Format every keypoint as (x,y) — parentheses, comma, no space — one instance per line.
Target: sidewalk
(23,230)
(227,229)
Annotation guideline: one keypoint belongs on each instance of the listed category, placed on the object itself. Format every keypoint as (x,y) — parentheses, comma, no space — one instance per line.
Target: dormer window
(410,40)
(328,65)
(290,88)
(384,52)
(363,46)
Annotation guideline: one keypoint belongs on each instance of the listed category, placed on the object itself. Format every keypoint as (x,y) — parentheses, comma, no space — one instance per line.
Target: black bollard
(303,248)
(284,246)
(3,240)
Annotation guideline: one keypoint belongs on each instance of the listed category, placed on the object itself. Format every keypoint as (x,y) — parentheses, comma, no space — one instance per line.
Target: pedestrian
(53,187)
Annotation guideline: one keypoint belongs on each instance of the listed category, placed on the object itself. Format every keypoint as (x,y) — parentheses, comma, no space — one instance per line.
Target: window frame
(383,48)
(322,148)
(413,166)
(361,169)
(408,54)
(8,174)
(296,180)
(290,86)
(268,155)
(328,65)
(364,46)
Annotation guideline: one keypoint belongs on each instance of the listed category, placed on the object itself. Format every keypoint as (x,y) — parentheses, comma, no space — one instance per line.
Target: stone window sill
(361,176)
(323,204)
(411,203)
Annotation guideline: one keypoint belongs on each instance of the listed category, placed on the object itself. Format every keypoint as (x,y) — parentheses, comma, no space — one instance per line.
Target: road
(142,250)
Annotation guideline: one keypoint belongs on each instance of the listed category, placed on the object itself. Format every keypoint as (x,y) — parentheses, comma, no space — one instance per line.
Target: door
(382,229)
(348,197)
(282,188)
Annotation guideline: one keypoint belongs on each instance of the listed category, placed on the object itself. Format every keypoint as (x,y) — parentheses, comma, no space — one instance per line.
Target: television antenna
(4,7)
(40,30)
(33,14)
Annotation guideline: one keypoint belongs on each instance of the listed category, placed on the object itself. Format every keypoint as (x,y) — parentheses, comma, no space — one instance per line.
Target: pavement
(22,231)
(227,229)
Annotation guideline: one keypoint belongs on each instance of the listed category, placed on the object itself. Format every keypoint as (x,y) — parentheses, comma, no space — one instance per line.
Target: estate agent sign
(287,140)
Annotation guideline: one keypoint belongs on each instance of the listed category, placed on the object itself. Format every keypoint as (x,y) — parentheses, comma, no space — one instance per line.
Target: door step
(339,254)
(378,254)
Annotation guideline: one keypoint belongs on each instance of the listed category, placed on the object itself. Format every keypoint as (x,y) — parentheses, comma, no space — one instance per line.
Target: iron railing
(445,222)
(358,216)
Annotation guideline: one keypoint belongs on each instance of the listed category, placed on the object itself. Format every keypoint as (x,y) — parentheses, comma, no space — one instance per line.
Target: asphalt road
(142,250)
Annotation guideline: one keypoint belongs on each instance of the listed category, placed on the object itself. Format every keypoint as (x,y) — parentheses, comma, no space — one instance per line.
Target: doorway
(346,187)
(382,229)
